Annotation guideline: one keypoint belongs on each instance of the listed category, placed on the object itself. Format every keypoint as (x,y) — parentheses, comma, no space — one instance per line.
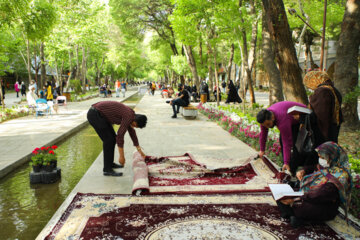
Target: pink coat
(17,87)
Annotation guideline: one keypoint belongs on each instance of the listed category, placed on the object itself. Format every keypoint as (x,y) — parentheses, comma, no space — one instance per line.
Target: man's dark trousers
(178,102)
(107,134)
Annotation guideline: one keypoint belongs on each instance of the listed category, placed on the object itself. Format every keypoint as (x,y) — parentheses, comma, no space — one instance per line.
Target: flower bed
(14,112)
(244,127)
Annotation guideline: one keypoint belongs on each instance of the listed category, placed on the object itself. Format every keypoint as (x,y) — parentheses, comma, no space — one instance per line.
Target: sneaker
(173,116)
(112,173)
(114,165)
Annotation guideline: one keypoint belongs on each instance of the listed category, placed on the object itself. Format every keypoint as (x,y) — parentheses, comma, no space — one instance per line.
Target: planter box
(45,177)
(67,95)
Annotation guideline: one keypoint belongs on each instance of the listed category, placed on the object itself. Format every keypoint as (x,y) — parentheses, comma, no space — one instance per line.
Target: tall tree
(346,67)
(290,70)
(272,71)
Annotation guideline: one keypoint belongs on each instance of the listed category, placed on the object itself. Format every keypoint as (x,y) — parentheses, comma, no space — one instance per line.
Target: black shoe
(114,165)
(112,173)
(296,222)
(173,116)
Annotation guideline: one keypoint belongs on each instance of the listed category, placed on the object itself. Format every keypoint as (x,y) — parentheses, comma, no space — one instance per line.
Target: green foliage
(179,65)
(11,11)
(352,96)
(75,84)
(315,10)
(40,20)
(37,159)
(354,163)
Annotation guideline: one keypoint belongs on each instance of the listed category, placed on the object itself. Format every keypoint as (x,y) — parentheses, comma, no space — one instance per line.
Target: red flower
(43,148)
(34,152)
(36,149)
(51,152)
(54,147)
(47,148)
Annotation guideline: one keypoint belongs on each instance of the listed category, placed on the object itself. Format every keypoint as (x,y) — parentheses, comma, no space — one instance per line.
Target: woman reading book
(324,190)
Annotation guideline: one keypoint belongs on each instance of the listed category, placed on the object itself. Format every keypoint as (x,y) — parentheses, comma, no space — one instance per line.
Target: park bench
(190,111)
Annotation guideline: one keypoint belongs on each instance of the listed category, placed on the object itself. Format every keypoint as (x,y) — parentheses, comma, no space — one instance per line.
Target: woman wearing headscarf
(324,190)
(233,95)
(326,104)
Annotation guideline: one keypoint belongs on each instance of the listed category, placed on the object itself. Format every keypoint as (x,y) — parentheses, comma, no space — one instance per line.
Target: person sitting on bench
(181,100)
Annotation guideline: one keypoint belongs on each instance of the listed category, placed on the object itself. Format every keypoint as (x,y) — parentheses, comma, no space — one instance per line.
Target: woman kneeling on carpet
(324,190)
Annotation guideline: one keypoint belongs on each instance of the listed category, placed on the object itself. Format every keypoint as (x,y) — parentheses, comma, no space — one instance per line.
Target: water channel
(26,208)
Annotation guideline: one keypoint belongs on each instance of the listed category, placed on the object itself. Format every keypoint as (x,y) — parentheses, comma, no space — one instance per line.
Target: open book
(298,110)
(282,191)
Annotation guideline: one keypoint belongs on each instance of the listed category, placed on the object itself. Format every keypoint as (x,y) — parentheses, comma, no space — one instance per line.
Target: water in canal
(25,209)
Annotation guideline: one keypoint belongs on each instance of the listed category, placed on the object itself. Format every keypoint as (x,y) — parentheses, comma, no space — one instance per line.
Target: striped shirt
(120,114)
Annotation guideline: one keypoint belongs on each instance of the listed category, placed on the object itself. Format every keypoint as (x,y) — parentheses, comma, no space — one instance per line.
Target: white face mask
(323,162)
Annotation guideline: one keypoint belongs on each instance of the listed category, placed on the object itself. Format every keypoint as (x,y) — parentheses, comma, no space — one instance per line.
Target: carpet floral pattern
(126,217)
(185,174)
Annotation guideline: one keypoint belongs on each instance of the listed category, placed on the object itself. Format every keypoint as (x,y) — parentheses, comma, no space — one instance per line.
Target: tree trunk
(346,66)
(210,68)
(77,62)
(301,38)
(272,71)
(61,78)
(28,59)
(1,94)
(192,63)
(248,58)
(290,70)
(43,67)
(231,58)
(36,66)
(70,70)
(216,78)
(83,75)
(99,70)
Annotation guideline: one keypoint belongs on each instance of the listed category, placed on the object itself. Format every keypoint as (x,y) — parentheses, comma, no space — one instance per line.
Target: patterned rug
(185,174)
(164,217)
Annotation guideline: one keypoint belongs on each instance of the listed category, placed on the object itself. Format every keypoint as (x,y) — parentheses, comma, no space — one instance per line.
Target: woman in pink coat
(17,88)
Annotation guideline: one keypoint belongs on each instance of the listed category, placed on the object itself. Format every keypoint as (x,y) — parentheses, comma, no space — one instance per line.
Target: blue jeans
(178,102)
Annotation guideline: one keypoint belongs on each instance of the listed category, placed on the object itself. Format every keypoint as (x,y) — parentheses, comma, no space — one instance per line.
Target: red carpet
(169,217)
(184,175)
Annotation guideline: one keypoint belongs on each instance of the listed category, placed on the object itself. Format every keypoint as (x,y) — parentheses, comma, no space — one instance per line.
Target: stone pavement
(163,136)
(20,136)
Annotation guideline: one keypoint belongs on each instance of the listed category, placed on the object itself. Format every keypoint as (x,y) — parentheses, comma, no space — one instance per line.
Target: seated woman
(170,92)
(31,97)
(324,190)
(108,91)
(164,92)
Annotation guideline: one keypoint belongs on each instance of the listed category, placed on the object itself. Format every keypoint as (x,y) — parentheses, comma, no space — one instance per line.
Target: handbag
(305,140)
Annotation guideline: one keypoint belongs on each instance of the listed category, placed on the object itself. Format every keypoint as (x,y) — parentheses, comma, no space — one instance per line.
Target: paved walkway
(20,136)
(163,136)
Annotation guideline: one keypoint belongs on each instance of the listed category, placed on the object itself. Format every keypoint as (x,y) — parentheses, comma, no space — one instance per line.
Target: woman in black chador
(233,96)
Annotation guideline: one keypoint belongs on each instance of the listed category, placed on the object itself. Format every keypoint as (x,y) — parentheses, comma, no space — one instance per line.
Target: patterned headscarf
(314,78)
(338,173)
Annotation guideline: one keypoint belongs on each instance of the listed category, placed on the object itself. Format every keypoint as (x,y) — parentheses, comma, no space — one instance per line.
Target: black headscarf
(233,96)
